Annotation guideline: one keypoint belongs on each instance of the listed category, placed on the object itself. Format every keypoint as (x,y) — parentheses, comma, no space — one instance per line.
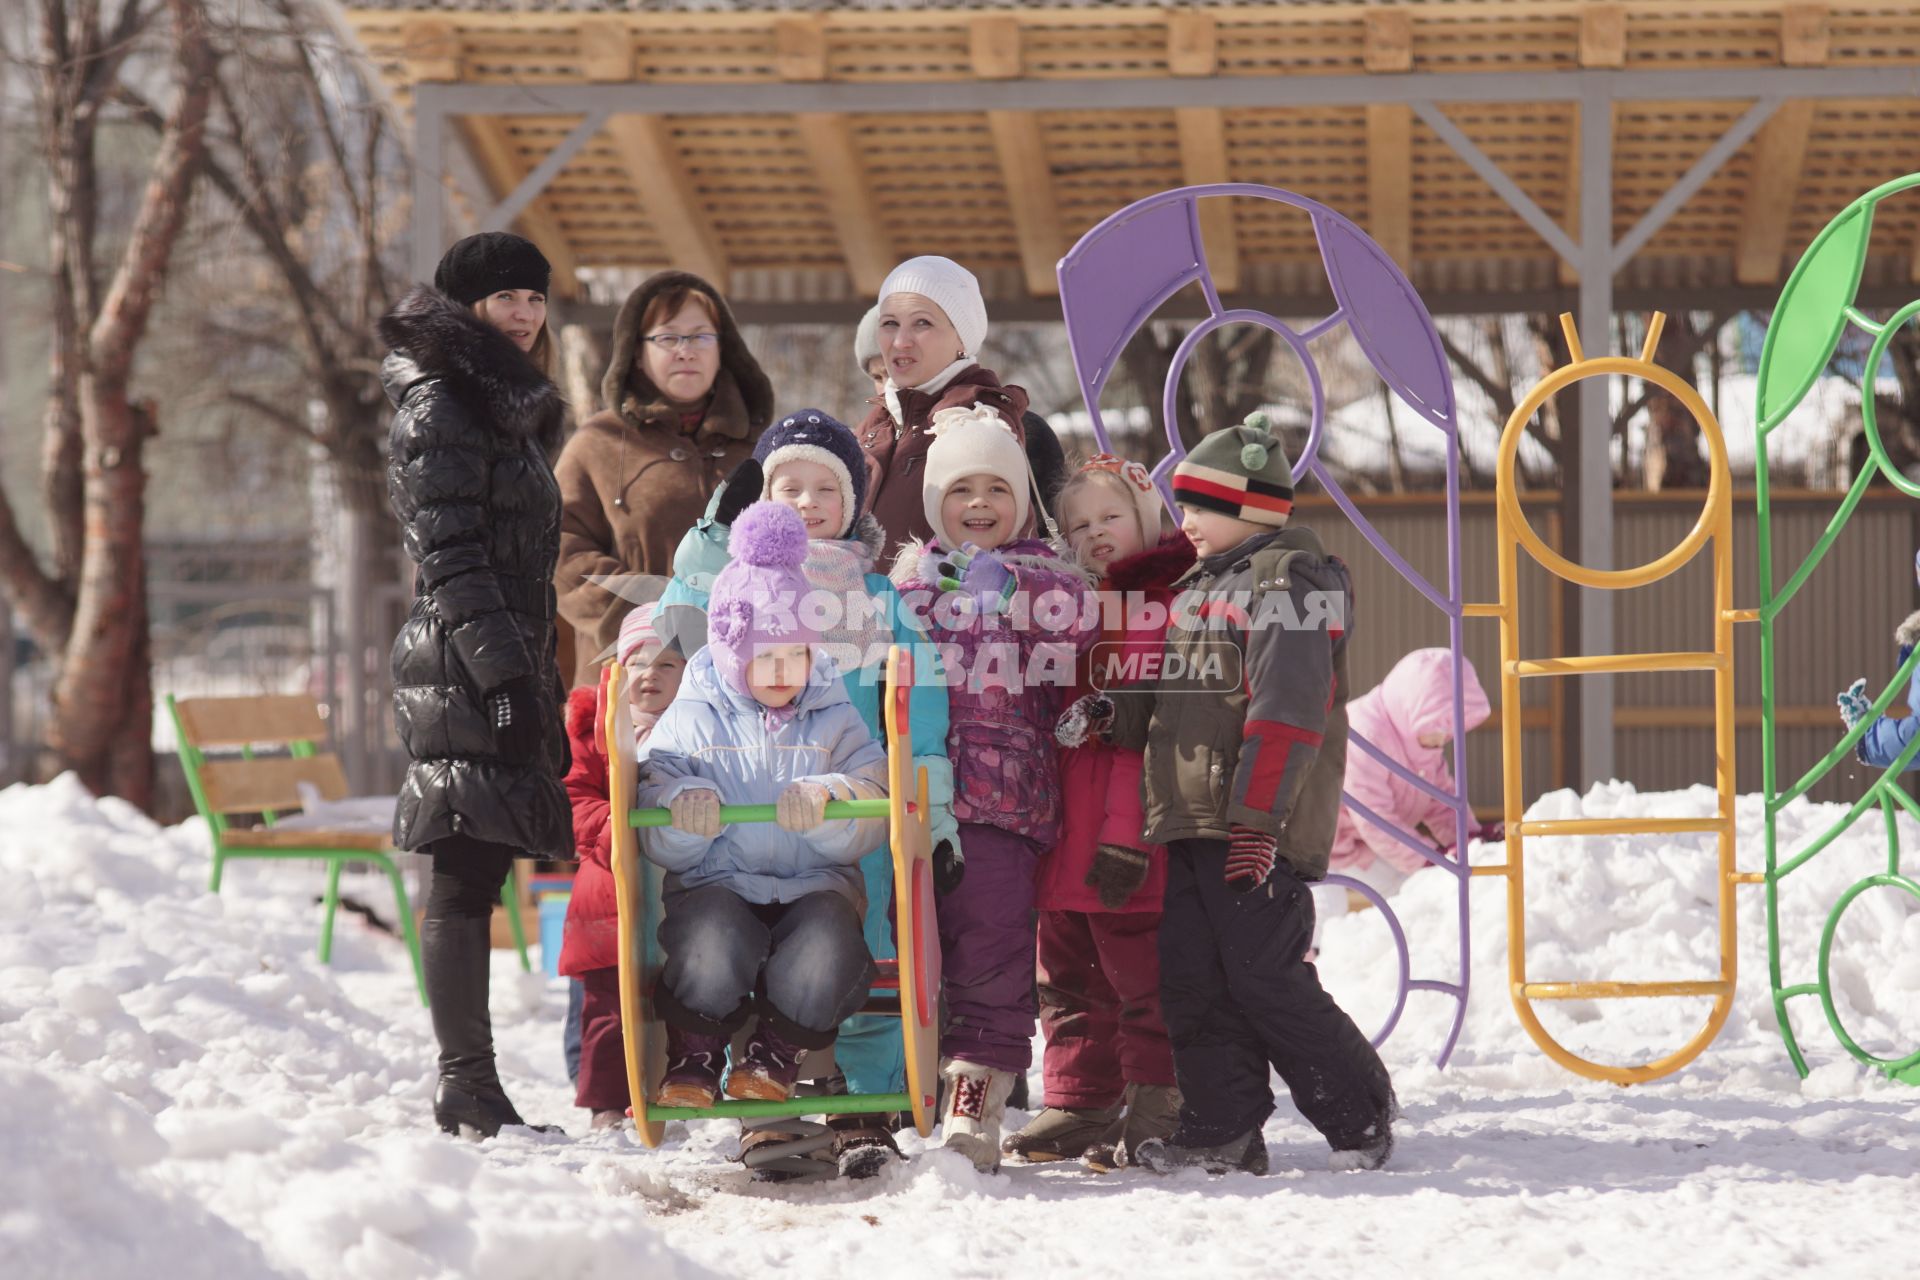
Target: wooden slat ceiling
(819,204)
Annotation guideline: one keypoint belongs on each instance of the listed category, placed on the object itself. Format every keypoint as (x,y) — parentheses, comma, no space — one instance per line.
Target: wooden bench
(236,781)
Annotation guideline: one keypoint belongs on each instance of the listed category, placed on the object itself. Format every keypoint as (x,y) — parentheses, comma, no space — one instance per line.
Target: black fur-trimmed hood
(430,335)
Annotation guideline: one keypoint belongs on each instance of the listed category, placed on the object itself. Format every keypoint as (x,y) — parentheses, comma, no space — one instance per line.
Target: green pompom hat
(1239,471)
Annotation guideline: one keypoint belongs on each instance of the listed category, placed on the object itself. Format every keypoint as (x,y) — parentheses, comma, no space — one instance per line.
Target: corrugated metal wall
(1839,626)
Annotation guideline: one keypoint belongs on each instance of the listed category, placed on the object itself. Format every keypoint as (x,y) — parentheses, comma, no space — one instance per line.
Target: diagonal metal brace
(1496,177)
(1693,179)
(502,214)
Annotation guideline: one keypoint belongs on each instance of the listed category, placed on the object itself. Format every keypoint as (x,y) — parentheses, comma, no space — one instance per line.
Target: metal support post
(1594,530)
(429,168)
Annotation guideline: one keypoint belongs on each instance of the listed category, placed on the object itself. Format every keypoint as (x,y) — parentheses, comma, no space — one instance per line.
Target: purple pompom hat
(758,599)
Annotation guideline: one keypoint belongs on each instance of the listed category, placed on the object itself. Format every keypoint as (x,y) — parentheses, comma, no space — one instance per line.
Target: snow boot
(862,1146)
(1246,1153)
(608,1119)
(788,1150)
(768,1070)
(692,1077)
(1371,1156)
(1375,1142)
(455,954)
(976,1101)
(1153,1111)
(1063,1133)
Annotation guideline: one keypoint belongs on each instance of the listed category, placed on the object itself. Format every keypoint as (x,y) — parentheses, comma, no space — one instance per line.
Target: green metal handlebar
(731,813)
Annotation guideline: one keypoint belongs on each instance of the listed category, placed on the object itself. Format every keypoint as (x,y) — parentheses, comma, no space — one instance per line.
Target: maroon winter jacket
(896,465)
(1100,783)
(591,938)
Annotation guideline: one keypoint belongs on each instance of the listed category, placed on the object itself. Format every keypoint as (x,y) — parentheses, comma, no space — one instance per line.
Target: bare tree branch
(274,413)
(263,219)
(1497,387)
(68,142)
(41,599)
(129,300)
(323,114)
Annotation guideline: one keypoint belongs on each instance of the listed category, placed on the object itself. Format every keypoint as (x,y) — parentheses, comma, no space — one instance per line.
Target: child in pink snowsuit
(1109,1065)
(1010,618)
(1409,716)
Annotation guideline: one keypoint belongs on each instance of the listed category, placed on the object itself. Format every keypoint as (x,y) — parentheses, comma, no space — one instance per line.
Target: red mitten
(1249,859)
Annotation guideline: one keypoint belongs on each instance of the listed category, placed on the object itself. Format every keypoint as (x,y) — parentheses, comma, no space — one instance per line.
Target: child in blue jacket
(1887,737)
(810,462)
(760,918)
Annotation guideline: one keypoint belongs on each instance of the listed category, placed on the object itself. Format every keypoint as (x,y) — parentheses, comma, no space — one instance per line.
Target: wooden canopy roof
(796,152)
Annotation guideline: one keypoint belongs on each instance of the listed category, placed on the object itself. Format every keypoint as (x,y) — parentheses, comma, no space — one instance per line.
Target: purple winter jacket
(1008,678)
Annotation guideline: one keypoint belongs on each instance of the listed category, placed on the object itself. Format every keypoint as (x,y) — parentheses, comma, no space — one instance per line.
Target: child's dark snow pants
(986,951)
(1237,994)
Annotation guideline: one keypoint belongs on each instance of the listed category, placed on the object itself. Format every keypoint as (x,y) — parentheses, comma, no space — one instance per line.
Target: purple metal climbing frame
(1119,274)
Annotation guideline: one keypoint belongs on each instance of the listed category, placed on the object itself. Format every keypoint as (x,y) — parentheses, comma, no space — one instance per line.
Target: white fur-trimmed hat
(951,287)
(970,442)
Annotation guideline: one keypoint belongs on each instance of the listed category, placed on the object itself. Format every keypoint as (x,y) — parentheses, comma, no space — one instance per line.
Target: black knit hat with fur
(489,262)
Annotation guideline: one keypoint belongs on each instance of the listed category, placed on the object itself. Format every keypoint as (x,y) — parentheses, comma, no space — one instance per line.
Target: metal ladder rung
(1619,990)
(1622,826)
(1616,663)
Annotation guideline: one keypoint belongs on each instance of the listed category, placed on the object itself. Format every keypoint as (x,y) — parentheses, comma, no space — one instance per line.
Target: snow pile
(254,1088)
(1644,910)
(185,1090)
(77,1197)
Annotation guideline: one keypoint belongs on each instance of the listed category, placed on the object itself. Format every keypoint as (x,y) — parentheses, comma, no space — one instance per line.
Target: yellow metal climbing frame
(1514,534)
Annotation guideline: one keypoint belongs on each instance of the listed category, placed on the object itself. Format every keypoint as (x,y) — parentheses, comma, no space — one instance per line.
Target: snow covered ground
(185,1091)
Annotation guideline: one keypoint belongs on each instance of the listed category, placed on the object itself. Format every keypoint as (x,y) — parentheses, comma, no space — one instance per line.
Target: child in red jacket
(1109,1068)
(589,949)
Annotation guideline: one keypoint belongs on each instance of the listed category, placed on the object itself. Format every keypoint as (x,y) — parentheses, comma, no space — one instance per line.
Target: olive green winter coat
(1247,723)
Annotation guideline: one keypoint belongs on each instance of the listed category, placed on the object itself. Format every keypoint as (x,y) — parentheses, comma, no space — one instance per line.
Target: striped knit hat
(1238,471)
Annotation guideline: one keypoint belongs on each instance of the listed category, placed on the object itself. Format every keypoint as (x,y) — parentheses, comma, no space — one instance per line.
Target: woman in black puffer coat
(477,690)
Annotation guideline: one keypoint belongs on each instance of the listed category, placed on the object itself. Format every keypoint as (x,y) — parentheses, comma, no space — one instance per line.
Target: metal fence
(1663,724)
(230,621)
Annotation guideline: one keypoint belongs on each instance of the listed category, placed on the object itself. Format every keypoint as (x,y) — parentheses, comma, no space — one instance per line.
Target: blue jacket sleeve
(669,769)
(1887,737)
(927,713)
(697,561)
(859,772)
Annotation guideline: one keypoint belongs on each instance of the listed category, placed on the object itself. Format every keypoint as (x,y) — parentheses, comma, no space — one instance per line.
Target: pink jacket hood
(1417,698)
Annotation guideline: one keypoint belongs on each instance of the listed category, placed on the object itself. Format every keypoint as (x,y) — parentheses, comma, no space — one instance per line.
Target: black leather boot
(456,952)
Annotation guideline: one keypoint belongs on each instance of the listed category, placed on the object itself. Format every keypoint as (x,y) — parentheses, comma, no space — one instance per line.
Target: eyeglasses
(674,341)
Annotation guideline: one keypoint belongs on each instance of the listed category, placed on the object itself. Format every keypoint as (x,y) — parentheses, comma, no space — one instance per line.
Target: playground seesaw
(908,988)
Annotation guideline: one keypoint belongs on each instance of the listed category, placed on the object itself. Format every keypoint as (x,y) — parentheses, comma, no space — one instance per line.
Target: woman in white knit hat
(932,323)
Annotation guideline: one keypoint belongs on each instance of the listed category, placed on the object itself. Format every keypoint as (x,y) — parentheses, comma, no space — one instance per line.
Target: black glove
(1116,874)
(739,491)
(513,710)
(949,867)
